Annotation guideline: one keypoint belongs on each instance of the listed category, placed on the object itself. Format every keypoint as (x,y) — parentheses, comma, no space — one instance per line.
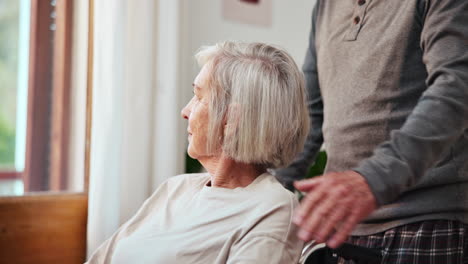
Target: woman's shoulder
(272,216)
(188,177)
(269,189)
(186,181)
(191,177)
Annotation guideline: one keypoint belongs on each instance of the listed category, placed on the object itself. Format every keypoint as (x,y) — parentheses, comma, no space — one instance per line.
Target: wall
(205,25)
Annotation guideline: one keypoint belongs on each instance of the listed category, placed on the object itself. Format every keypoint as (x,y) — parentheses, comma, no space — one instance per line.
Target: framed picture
(253,12)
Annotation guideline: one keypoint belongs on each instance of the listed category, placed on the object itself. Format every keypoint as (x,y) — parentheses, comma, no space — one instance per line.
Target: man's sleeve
(298,168)
(441,115)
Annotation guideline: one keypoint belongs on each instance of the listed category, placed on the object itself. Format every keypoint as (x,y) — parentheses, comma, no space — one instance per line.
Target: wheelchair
(314,253)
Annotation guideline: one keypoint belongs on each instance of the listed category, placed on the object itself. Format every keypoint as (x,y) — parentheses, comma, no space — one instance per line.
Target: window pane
(14,50)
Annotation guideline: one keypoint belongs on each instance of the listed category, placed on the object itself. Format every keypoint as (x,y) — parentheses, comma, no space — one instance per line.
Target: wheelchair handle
(358,253)
(314,253)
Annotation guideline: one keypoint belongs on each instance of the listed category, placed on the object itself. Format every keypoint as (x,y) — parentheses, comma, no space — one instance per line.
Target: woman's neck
(227,173)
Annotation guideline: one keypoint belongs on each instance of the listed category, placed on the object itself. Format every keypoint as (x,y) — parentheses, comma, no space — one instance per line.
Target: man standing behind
(388,95)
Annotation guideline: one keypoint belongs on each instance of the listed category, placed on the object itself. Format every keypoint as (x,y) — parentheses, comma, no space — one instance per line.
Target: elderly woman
(247,114)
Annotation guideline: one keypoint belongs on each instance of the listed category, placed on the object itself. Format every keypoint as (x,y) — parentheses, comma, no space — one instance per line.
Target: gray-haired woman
(247,114)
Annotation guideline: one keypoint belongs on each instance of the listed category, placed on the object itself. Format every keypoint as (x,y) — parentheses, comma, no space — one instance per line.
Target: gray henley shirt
(388,94)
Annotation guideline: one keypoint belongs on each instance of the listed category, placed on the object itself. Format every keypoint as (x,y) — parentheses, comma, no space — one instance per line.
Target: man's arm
(336,202)
(441,115)
(298,169)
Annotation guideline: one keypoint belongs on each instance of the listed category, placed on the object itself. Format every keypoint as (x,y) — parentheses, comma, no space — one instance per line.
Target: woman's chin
(193,153)
(199,156)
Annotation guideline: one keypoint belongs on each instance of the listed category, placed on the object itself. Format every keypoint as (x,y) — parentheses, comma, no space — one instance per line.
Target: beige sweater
(185,221)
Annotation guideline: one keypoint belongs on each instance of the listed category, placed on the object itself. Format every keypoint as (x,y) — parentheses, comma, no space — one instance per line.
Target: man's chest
(365,47)
(367,26)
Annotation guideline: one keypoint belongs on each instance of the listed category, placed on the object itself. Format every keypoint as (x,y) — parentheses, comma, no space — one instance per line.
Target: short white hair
(259,92)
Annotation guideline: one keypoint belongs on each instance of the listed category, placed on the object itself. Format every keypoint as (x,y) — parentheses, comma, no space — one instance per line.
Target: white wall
(205,25)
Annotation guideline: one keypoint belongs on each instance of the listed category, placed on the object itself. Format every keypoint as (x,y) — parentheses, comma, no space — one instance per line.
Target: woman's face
(196,112)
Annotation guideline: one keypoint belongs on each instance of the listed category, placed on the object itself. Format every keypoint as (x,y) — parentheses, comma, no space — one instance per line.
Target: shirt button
(361,2)
(357,19)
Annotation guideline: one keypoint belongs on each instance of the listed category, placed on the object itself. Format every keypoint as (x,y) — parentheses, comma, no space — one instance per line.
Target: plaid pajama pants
(428,242)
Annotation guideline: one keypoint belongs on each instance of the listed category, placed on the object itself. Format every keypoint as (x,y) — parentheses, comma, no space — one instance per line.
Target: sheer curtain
(137,134)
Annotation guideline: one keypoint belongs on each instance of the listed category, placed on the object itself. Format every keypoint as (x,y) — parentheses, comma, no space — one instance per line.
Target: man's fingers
(314,221)
(306,205)
(307,185)
(310,223)
(331,224)
(337,201)
(342,233)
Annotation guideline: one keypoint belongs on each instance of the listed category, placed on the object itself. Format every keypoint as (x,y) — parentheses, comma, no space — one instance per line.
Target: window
(35,67)
(14,47)
(35,43)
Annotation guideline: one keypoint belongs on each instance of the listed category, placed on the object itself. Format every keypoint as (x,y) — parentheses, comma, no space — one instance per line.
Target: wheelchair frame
(314,253)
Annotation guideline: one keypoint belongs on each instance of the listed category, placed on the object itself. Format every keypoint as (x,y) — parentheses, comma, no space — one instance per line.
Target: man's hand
(335,203)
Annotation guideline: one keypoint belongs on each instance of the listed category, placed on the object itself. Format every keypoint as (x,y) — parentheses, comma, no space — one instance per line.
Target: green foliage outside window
(9,27)
(7,145)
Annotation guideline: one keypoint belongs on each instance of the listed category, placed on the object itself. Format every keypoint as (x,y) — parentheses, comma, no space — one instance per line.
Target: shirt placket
(357,19)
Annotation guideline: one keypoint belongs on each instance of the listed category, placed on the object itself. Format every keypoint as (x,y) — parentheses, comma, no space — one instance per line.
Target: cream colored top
(185,221)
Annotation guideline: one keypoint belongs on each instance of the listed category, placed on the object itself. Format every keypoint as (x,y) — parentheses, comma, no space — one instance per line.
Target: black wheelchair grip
(358,253)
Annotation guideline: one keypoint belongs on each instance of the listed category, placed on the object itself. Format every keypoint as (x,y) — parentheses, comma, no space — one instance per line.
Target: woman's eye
(195,99)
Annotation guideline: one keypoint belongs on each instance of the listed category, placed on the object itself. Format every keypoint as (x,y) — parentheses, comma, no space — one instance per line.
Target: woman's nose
(185,112)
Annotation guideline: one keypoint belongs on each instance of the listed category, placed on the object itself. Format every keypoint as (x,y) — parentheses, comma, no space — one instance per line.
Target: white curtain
(137,134)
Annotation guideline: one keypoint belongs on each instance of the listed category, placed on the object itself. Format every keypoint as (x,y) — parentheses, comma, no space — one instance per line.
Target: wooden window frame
(49,227)
(48,128)
(39,100)
(38,85)
(61,87)
(48,113)
(40,229)
(10,175)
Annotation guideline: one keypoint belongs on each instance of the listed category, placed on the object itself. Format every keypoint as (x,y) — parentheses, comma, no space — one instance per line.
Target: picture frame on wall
(252,12)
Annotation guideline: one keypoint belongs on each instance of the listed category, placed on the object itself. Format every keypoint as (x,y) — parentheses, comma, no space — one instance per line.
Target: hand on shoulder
(335,203)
